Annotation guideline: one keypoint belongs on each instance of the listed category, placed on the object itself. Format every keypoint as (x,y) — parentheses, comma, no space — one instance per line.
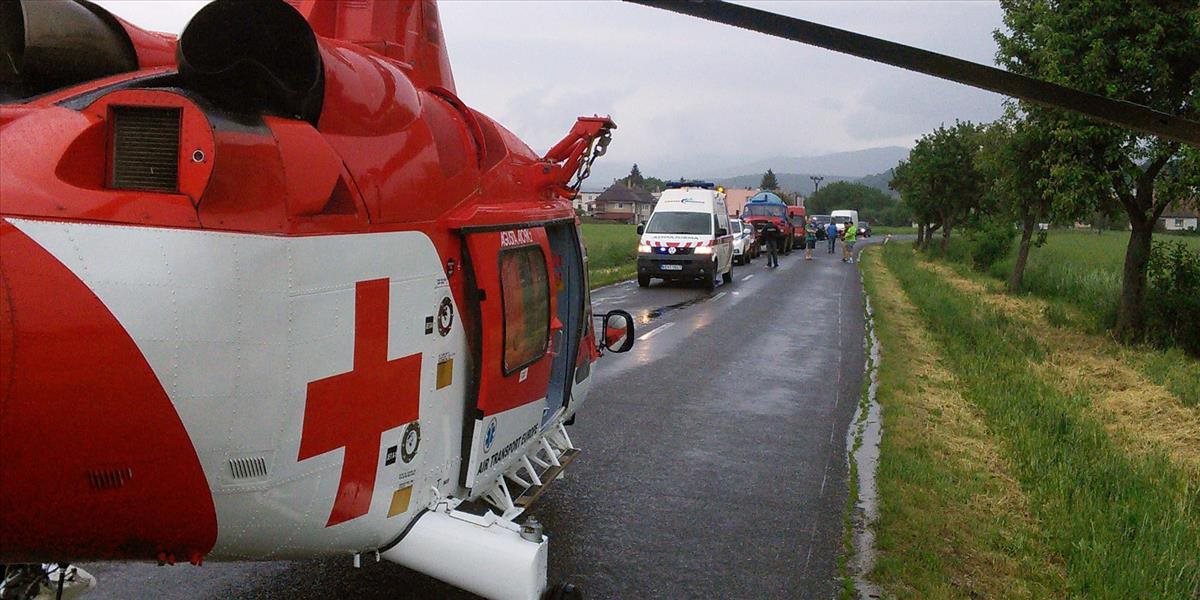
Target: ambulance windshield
(680,222)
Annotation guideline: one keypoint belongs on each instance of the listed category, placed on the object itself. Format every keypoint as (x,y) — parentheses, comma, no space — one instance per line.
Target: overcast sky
(689,94)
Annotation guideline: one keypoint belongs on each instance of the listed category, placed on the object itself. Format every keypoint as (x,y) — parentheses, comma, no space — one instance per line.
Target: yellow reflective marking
(445,372)
(400,500)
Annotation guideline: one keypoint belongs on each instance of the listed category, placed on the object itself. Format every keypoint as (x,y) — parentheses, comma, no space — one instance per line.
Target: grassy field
(1021,455)
(886,229)
(1082,268)
(1079,274)
(612,252)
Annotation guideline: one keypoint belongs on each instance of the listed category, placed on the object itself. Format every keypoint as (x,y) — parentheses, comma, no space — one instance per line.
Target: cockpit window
(525,292)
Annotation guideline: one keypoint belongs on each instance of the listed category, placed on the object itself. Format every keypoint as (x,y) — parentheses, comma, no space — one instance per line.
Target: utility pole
(816,182)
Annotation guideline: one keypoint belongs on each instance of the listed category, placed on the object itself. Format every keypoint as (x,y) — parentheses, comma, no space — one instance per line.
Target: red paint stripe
(74,414)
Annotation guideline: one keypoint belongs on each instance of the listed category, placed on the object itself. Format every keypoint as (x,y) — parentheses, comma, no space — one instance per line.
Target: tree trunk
(1028,224)
(929,229)
(946,236)
(1131,322)
(920,234)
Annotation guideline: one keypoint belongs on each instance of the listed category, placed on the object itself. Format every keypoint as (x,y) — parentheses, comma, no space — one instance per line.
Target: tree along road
(713,462)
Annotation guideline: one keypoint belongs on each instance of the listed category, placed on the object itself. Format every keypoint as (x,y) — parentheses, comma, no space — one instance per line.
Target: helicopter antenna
(1037,91)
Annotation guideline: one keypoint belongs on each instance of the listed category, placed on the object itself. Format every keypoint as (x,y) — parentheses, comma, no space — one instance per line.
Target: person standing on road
(848,240)
(772,235)
(810,241)
(832,233)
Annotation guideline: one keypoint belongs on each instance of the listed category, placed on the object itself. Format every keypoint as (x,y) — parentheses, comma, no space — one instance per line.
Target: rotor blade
(1117,112)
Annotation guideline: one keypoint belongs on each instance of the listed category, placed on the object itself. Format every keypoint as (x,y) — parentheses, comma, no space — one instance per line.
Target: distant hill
(793,182)
(880,182)
(872,166)
(802,182)
(846,165)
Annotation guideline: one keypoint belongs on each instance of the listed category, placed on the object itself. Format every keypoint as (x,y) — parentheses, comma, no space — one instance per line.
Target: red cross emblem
(353,409)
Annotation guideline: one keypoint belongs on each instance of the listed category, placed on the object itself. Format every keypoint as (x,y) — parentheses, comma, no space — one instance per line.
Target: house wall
(1180,223)
(643,211)
(614,211)
(735,199)
(585,201)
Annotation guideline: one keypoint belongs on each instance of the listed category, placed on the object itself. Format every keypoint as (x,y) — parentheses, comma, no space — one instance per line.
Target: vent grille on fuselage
(248,468)
(109,479)
(145,148)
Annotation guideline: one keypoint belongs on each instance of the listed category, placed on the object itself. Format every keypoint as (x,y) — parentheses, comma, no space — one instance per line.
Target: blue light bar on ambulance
(685,183)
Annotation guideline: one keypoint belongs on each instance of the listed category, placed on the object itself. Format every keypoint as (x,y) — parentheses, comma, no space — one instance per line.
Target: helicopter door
(566,263)
(516,283)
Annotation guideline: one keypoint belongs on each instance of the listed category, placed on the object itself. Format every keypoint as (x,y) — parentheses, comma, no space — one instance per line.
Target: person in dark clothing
(832,233)
(772,235)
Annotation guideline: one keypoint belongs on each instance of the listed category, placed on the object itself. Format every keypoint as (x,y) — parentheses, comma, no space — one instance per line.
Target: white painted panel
(235,326)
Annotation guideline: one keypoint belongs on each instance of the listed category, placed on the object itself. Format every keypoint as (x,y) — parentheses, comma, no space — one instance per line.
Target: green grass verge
(612,252)
(1126,526)
(1171,368)
(885,229)
(939,533)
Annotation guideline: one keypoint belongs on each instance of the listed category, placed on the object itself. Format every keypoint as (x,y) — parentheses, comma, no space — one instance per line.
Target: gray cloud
(894,107)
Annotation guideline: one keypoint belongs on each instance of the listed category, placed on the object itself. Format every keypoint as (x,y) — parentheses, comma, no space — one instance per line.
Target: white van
(687,237)
(842,217)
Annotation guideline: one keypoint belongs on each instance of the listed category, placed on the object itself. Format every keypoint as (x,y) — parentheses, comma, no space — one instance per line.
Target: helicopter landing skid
(485,554)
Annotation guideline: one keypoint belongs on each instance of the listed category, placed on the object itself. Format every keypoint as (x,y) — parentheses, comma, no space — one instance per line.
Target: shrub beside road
(1022,455)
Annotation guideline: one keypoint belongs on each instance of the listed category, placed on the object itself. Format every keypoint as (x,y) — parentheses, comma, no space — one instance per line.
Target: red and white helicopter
(272,290)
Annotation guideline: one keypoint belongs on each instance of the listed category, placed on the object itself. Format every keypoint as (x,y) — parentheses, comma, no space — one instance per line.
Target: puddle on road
(646,316)
(643,317)
(863,437)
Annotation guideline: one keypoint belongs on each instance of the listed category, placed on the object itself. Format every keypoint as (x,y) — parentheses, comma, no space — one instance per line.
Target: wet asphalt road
(713,463)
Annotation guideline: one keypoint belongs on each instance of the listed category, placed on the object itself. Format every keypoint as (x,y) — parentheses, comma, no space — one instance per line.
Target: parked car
(864,229)
(821,222)
(743,241)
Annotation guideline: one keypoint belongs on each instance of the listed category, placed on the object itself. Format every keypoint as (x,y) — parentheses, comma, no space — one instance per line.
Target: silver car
(743,242)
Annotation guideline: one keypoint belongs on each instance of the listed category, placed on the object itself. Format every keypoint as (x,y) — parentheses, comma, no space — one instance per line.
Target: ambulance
(687,237)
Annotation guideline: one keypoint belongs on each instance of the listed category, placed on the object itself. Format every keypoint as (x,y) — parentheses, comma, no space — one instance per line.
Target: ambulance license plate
(671,267)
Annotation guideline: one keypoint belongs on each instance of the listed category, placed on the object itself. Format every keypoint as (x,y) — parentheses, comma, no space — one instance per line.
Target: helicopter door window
(525,293)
